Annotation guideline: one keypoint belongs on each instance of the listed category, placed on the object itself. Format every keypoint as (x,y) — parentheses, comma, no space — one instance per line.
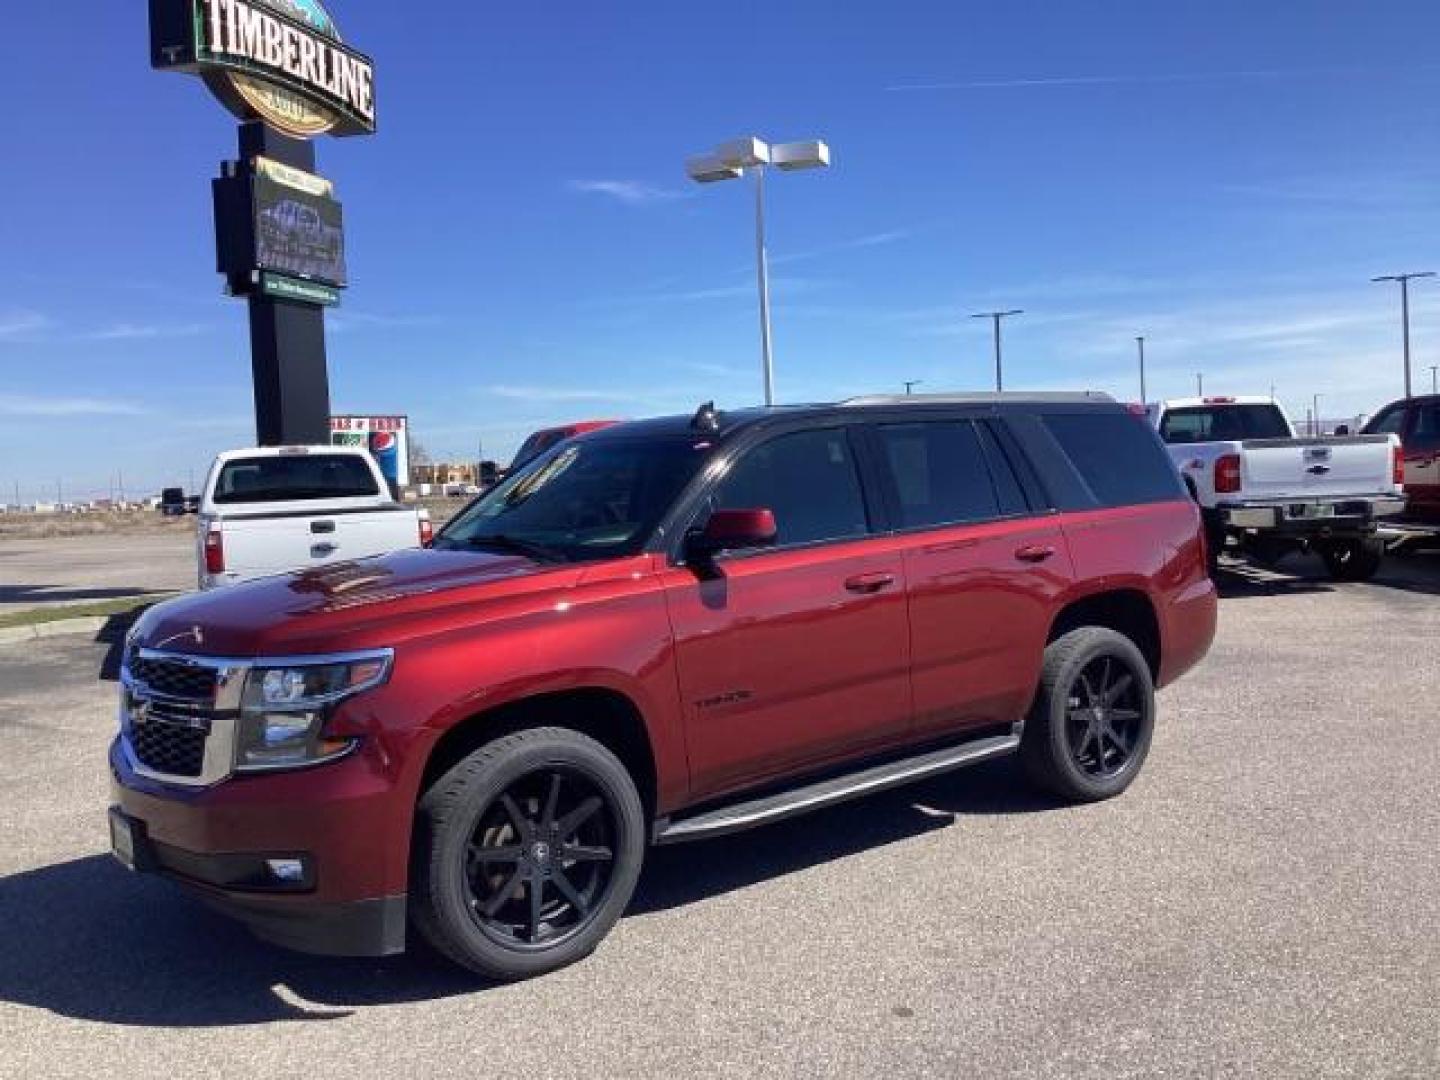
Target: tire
(544,811)
(1353,560)
(1070,750)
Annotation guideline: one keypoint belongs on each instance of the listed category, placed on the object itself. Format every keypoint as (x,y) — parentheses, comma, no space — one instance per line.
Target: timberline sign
(280,61)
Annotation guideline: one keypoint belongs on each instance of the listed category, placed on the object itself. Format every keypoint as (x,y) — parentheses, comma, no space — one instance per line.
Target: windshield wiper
(514,544)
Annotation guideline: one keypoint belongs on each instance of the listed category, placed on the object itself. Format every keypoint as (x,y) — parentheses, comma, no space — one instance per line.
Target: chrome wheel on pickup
(528,852)
(1089,729)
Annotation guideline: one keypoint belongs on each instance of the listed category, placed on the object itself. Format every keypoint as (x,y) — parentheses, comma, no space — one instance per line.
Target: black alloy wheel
(1089,729)
(1103,724)
(526,853)
(540,859)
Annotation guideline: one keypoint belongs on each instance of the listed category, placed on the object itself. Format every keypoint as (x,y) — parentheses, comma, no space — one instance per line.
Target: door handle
(1034,553)
(870,583)
(319,551)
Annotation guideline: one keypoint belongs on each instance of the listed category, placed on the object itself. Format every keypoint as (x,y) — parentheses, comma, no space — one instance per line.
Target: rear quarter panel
(1158,550)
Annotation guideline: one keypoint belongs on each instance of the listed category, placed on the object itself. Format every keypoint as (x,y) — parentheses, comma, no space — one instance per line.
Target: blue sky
(524,248)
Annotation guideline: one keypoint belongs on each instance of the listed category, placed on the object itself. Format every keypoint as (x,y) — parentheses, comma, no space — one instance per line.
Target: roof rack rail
(1048,397)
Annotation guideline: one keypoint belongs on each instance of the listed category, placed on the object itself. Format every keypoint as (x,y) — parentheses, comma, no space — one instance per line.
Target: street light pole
(995,317)
(732,160)
(1404,280)
(1434,386)
(1199,384)
(910,385)
(762,262)
(1315,404)
(1140,341)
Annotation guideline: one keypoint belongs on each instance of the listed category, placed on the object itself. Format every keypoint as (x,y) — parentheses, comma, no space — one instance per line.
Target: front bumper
(344,823)
(1298,517)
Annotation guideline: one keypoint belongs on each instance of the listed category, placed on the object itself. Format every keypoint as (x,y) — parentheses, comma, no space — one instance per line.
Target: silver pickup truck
(1274,492)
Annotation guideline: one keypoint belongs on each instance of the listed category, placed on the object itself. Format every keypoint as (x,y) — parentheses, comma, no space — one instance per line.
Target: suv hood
(341,606)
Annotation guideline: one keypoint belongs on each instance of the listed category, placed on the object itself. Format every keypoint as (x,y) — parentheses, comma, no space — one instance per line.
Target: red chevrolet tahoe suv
(662,631)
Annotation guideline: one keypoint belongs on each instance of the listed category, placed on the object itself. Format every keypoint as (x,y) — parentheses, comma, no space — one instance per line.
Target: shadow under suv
(662,631)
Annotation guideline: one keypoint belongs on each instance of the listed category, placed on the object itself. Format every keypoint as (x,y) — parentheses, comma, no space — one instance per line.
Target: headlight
(285,706)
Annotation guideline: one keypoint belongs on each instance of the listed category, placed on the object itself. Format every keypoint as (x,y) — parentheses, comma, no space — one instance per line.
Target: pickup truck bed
(1258,483)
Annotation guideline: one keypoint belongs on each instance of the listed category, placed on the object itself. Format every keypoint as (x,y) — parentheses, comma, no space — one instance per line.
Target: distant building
(441,473)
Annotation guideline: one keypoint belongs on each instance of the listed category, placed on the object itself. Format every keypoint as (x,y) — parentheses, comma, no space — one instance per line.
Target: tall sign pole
(280,67)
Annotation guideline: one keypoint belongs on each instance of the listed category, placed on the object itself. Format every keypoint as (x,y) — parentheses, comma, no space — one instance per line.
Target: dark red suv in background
(1416,422)
(662,631)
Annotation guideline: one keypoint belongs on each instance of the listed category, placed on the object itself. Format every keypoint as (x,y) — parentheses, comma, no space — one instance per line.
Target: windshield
(297,476)
(581,501)
(1221,423)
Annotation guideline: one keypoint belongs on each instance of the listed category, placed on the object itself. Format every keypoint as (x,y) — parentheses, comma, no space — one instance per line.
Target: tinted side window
(1002,470)
(939,472)
(1426,432)
(1389,422)
(302,476)
(808,479)
(1215,423)
(1117,456)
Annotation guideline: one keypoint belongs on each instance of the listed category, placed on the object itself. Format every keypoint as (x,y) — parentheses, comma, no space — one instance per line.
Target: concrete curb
(88,624)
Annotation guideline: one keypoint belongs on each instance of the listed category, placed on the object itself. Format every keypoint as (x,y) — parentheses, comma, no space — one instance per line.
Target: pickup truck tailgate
(265,543)
(1316,468)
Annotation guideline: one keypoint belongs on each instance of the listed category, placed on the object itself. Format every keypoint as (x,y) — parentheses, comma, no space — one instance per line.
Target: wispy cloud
(1051,81)
(25,405)
(20,324)
(341,322)
(1385,192)
(857,243)
(554,393)
(34,327)
(779,286)
(713,371)
(629,192)
(126,331)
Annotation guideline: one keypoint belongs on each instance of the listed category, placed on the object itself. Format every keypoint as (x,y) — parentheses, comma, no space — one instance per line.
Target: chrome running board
(770,808)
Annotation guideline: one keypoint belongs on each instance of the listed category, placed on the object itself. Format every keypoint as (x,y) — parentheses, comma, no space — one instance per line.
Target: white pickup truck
(1256,481)
(273,509)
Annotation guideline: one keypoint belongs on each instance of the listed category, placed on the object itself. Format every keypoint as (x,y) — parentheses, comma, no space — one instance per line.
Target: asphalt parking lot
(1264,902)
(43,571)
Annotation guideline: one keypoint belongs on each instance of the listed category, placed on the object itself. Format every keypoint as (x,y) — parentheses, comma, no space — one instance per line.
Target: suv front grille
(168,741)
(174,678)
(178,715)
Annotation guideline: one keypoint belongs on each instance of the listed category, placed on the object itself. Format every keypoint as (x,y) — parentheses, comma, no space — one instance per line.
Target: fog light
(286,871)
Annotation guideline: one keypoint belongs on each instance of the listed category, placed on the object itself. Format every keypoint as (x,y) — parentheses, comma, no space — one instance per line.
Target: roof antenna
(706,418)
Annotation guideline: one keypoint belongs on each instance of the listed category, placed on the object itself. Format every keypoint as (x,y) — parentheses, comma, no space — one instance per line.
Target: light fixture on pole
(732,160)
(1404,280)
(995,317)
(1140,341)
(910,385)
